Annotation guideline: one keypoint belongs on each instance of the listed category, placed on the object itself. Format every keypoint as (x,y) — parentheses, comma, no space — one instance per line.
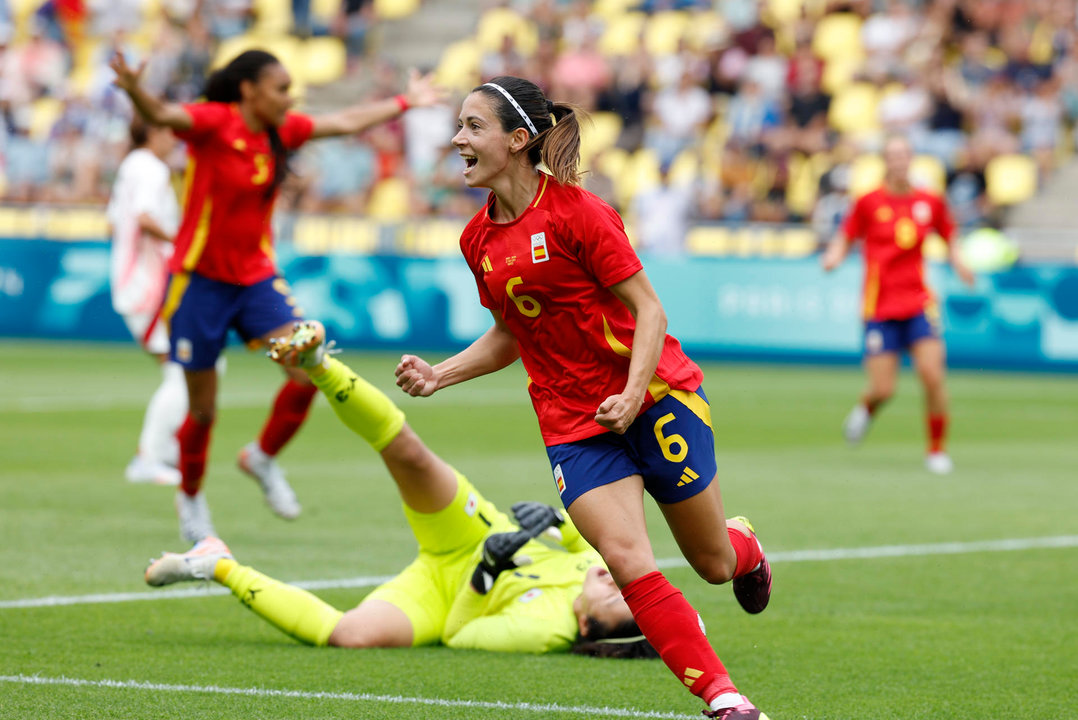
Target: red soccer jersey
(894,228)
(547,273)
(225,233)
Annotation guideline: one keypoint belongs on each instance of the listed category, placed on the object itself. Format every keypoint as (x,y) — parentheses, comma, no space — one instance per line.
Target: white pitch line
(345,696)
(823,555)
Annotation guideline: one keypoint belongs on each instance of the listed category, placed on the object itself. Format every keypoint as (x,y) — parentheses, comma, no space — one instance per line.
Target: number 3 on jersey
(526,304)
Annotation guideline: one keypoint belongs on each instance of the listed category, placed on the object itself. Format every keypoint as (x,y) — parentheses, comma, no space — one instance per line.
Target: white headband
(514,103)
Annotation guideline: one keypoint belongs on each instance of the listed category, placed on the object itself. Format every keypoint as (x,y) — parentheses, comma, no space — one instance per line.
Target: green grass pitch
(979,632)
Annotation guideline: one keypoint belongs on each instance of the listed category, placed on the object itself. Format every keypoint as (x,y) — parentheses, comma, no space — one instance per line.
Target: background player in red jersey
(900,312)
(223,269)
(620,406)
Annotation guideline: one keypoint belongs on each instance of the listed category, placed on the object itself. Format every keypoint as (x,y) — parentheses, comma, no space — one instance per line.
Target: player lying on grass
(464,589)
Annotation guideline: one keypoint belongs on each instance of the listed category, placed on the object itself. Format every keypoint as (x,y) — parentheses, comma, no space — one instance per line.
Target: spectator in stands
(681,114)
(661,215)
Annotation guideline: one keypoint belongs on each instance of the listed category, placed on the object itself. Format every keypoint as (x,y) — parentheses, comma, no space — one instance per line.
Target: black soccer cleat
(753,589)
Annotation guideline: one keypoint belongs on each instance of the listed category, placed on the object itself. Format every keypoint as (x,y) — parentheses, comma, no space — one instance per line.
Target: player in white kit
(143,216)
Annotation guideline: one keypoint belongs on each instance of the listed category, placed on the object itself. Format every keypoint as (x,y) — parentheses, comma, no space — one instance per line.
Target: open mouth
(469,161)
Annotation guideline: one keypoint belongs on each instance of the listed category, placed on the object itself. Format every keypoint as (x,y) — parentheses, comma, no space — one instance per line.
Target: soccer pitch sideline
(898,594)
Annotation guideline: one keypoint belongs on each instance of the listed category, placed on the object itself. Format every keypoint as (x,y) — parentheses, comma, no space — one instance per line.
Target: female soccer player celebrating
(620,406)
(900,312)
(223,270)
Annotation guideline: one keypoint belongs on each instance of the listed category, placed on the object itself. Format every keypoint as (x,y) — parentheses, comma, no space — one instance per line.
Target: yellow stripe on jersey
(188,180)
(657,388)
(202,232)
(872,291)
(267,247)
(694,402)
(177,286)
(542,189)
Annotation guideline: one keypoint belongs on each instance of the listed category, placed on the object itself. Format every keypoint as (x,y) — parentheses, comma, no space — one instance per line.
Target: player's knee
(715,568)
(626,559)
(351,636)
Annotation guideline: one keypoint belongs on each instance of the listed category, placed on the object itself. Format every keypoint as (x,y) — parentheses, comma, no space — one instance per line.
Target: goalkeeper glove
(535,518)
(499,550)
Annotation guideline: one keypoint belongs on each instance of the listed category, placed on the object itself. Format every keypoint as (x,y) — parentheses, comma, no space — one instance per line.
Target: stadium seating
(1010,179)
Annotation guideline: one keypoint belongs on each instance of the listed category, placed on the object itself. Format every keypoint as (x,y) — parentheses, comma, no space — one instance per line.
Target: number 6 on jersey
(526,304)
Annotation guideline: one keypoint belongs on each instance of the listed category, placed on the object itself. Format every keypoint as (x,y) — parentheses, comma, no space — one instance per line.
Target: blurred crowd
(744,110)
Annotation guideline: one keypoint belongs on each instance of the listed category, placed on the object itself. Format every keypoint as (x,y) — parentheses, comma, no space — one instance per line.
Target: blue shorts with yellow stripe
(200,312)
(671,445)
(895,336)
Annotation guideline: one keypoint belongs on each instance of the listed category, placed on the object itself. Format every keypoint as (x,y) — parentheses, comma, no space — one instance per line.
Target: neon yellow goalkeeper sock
(288,608)
(361,406)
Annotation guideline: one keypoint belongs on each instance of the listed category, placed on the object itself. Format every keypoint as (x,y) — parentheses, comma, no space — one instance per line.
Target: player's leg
(290,609)
(611,518)
(427,483)
(882,345)
(928,354)
(375,623)
(198,313)
(268,310)
(158,450)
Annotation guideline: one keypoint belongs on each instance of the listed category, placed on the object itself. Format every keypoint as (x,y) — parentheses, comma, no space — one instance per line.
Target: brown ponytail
(556,142)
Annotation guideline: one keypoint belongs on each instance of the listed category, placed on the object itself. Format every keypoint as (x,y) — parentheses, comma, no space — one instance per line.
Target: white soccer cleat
(856,425)
(195,564)
(195,523)
(939,463)
(263,468)
(141,470)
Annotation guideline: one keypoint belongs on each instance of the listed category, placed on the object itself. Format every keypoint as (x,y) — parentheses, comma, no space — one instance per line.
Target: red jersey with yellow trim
(547,274)
(894,228)
(225,233)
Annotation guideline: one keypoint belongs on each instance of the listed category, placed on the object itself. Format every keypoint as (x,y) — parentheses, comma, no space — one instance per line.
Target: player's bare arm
(959,265)
(617,412)
(495,349)
(153,109)
(836,251)
(421,92)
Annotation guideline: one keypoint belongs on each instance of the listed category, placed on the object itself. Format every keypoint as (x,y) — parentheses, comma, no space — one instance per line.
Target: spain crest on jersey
(539,252)
(559,479)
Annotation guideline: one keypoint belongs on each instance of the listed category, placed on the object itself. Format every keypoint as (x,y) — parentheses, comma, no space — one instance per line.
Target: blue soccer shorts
(896,336)
(200,312)
(671,445)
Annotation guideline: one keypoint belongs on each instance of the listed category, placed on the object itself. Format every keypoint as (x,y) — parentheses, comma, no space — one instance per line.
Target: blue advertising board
(774,309)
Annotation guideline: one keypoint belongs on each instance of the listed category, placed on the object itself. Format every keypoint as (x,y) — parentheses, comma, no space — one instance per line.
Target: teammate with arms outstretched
(620,406)
(223,269)
(463,589)
(143,216)
(900,312)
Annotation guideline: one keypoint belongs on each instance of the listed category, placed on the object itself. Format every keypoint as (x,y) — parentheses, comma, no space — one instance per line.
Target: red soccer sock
(747,550)
(288,413)
(937,432)
(194,440)
(674,629)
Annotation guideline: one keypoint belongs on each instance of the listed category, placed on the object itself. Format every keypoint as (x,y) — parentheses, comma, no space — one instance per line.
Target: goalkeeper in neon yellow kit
(464,589)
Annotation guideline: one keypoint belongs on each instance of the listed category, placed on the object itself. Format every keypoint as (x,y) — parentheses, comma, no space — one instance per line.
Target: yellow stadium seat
(866,174)
(496,24)
(927,172)
(854,109)
(1010,179)
(325,10)
(272,17)
(640,173)
(623,34)
(390,200)
(324,59)
(838,35)
(608,9)
(44,112)
(612,162)
(459,66)
(838,73)
(664,30)
(781,13)
(601,133)
(802,186)
(685,168)
(394,9)
(704,30)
